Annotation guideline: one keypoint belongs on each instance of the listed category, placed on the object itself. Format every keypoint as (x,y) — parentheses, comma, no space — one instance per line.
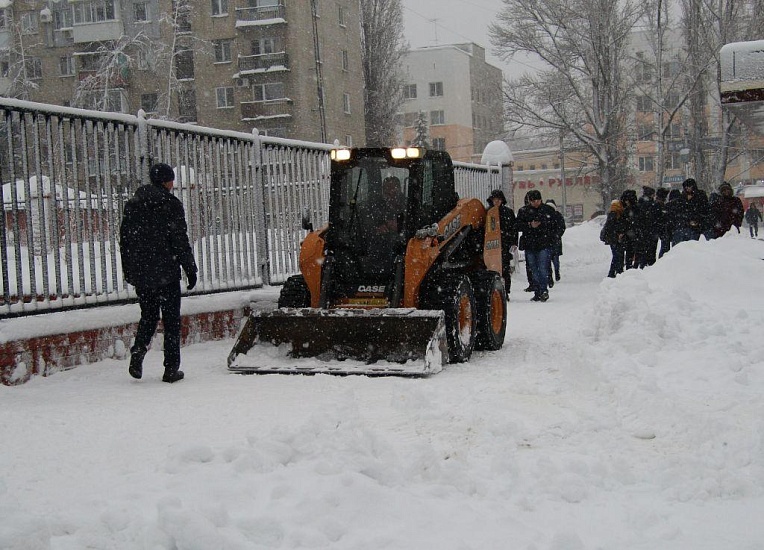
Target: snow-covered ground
(621,414)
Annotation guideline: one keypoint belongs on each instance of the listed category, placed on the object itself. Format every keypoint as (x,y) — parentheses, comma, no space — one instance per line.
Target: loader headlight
(340,154)
(398,153)
(413,152)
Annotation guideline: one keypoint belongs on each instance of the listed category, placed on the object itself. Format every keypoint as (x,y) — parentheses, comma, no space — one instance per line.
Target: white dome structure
(497,153)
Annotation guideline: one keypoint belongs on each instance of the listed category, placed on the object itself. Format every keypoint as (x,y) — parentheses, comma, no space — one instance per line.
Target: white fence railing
(66,174)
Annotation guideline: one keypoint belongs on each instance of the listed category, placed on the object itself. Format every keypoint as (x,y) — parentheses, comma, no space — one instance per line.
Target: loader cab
(379,198)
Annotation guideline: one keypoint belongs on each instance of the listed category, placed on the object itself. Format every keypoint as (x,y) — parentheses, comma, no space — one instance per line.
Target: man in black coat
(538,224)
(650,223)
(154,246)
(508,227)
(689,213)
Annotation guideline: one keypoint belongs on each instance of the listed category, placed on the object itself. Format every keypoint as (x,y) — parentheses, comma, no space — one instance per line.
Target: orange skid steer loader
(404,277)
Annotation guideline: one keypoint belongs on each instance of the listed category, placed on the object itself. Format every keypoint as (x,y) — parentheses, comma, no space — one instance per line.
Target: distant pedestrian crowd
(640,230)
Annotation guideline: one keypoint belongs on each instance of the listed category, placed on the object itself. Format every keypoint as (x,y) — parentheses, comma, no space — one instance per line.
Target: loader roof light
(406,152)
(340,154)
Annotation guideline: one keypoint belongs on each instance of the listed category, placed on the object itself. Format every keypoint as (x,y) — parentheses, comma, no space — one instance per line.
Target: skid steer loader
(404,277)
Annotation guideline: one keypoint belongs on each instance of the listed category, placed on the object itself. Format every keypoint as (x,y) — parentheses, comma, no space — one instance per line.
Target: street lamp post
(562,177)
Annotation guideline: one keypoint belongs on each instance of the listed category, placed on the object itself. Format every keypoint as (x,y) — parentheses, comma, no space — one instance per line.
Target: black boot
(172,375)
(136,362)
(557,276)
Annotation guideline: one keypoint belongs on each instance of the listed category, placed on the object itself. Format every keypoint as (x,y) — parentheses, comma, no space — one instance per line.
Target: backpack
(606,234)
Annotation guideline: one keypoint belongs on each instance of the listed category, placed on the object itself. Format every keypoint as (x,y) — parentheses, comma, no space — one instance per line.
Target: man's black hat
(161,173)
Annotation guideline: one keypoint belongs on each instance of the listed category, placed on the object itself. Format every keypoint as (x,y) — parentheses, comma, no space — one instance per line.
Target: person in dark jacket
(726,211)
(538,224)
(689,213)
(154,246)
(661,196)
(508,227)
(631,218)
(753,217)
(649,228)
(614,235)
(554,270)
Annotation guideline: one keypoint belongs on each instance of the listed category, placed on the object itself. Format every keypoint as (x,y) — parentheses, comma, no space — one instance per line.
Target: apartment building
(459,94)
(290,68)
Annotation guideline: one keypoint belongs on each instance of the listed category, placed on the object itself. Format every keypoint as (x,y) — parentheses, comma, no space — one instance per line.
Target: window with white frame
(263,46)
(94,11)
(674,161)
(346,103)
(644,104)
(219,7)
(268,91)
(439,143)
(3,19)
(141,11)
(63,18)
(222,51)
(409,91)
(348,140)
(436,89)
(29,22)
(224,97)
(646,164)
(66,65)
(437,117)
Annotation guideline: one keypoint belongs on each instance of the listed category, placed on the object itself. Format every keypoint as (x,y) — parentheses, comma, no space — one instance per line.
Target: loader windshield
(369,211)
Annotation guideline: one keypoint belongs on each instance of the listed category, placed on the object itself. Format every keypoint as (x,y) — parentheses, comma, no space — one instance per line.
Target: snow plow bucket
(377,342)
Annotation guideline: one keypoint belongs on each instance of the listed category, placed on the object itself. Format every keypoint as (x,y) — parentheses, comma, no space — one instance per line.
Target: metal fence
(66,174)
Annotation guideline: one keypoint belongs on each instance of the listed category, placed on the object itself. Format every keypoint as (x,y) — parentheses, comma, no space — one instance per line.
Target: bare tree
(582,92)
(383,47)
(23,68)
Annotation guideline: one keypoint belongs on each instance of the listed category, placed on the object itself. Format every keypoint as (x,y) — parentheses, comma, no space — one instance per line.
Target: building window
(141,11)
(263,46)
(409,119)
(29,22)
(66,65)
(187,106)
(439,144)
(674,161)
(345,61)
(436,89)
(437,117)
(645,132)
(3,19)
(674,131)
(219,7)
(224,97)
(409,91)
(184,65)
(5,68)
(346,103)
(33,67)
(348,140)
(94,11)
(646,164)
(269,91)
(222,51)
(149,102)
(644,104)
(144,63)
(342,16)
(63,18)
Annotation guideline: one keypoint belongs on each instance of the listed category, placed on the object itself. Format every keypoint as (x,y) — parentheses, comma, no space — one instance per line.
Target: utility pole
(562,175)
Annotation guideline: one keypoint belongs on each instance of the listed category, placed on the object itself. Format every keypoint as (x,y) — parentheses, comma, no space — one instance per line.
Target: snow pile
(622,413)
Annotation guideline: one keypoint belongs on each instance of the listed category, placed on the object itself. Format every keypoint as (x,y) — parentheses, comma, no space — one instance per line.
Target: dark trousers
(754,228)
(617,261)
(164,299)
(538,260)
(665,246)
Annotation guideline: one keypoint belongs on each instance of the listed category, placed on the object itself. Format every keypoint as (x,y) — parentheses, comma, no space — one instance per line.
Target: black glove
(191,280)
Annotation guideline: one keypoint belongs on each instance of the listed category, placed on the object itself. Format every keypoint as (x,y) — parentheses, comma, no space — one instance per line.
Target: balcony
(113,81)
(264,110)
(97,32)
(263,63)
(260,15)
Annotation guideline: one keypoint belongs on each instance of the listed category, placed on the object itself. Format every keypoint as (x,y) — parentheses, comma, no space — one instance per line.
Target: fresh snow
(621,414)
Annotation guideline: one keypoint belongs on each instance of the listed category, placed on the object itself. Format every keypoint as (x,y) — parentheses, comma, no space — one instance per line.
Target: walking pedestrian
(753,217)
(689,213)
(554,269)
(649,228)
(154,246)
(508,228)
(538,225)
(726,211)
(661,196)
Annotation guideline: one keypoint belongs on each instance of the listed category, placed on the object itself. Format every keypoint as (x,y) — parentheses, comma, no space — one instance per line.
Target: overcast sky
(434,22)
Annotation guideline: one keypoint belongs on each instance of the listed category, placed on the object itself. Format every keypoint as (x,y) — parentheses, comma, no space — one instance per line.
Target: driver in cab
(392,206)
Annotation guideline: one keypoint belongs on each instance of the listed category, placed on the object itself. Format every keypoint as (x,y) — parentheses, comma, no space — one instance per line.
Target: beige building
(291,68)
(459,94)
